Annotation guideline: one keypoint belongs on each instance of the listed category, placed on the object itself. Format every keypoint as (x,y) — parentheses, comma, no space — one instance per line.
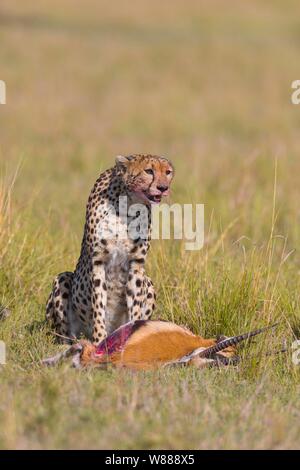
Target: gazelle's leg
(72,351)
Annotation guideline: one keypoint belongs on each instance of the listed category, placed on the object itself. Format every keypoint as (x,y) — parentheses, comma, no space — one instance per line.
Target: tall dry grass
(209,86)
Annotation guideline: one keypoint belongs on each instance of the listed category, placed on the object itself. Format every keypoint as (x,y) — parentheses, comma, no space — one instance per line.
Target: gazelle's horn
(233,341)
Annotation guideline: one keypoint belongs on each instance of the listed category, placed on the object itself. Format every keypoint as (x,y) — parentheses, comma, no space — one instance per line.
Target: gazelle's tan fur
(153,344)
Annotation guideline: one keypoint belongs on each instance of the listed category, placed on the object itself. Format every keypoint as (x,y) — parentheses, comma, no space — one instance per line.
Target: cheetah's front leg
(140,293)
(149,303)
(99,301)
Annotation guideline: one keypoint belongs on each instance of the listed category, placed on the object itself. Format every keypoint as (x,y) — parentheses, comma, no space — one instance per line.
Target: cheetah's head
(148,177)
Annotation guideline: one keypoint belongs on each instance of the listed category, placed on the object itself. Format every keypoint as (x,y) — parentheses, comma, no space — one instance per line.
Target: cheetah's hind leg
(59,306)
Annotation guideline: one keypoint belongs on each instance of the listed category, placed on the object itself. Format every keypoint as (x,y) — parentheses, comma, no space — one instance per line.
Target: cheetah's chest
(117,267)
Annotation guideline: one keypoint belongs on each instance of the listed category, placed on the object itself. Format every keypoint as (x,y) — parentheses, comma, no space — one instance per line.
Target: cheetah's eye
(149,171)
(168,172)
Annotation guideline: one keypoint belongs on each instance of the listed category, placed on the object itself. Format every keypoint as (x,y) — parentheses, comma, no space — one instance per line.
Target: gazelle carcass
(150,344)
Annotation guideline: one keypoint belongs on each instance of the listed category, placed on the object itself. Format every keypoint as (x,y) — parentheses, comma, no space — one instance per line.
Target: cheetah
(109,286)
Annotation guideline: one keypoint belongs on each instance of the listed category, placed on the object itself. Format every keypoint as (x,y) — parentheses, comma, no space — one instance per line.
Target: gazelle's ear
(122,160)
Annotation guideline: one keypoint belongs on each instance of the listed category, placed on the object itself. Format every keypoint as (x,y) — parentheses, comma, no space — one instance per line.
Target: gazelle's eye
(149,171)
(168,172)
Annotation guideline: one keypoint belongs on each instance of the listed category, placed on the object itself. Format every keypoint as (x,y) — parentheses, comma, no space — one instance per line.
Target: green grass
(210,88)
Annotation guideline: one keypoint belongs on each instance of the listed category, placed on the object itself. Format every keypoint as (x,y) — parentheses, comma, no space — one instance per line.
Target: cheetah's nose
(162,188)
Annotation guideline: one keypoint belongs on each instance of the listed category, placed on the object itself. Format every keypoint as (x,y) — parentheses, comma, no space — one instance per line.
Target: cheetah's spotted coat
(109,285)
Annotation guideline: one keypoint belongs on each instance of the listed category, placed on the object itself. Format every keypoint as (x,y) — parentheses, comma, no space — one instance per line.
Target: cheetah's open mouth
(151,198)
(154,198)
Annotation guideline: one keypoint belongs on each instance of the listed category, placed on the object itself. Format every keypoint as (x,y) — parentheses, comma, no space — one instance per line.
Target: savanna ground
(207,84)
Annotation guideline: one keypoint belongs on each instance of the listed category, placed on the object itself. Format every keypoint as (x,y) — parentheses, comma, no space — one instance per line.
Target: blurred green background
(208,84)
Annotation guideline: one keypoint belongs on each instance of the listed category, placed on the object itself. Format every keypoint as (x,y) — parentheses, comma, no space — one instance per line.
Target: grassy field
(207,83)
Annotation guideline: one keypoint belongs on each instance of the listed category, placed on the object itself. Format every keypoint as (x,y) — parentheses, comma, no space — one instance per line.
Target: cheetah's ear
(122,160)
